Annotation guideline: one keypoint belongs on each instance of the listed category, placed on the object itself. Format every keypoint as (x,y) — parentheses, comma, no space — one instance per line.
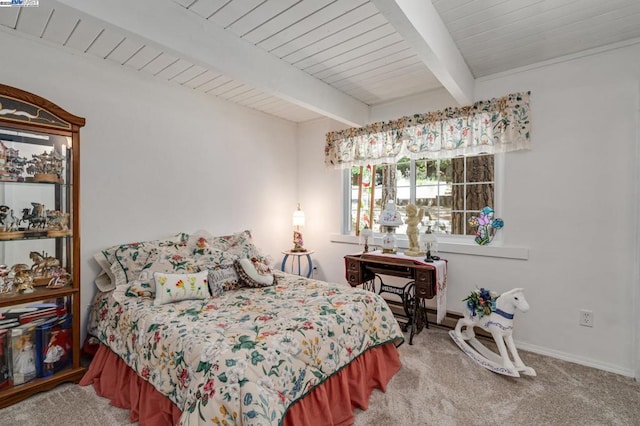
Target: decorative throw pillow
(222,274)
(177,287)
(103,282)
(129,261)
(222,278)
(240,244)
(168,260)
(253,273)
(107,257)
(199,242)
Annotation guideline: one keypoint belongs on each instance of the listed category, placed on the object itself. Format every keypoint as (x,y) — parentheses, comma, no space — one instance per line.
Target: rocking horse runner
(495,315)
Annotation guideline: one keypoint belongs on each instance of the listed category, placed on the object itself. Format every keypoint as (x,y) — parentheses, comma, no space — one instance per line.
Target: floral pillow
(240,243)
(169,260)
(253,273)
(129,261)
(177,287)
(107,257)
(199,242)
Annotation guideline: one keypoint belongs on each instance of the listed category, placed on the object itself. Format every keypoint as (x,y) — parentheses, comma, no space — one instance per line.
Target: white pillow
(176,287)
(253,273)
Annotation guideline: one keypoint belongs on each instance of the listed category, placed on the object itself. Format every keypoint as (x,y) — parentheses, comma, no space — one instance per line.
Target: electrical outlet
(586,318)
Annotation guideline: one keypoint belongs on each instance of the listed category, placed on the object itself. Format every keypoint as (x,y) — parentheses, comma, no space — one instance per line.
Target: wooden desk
(363,269)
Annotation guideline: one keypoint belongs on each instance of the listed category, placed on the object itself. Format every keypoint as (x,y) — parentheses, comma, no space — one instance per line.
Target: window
(451,191)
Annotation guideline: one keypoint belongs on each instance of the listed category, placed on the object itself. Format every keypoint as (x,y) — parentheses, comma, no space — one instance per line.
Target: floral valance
(490,127)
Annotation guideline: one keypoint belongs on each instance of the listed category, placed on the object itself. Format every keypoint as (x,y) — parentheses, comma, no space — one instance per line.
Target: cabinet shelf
(39,207)
(29,182)
(39,293)
(33,236)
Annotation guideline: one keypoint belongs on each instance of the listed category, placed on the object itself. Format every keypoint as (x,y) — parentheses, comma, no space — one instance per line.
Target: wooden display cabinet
(39,217)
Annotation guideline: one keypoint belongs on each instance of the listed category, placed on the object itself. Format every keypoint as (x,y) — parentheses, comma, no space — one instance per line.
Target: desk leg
(408,303)
(369,285)
(419,318)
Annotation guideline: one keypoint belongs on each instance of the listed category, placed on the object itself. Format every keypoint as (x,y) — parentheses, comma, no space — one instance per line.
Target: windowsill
(455,247)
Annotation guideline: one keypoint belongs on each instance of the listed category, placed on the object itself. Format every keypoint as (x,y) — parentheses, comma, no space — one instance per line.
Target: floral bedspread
(244,357)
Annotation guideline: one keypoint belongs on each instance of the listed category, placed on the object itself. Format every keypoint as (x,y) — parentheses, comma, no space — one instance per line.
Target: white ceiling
(303,59)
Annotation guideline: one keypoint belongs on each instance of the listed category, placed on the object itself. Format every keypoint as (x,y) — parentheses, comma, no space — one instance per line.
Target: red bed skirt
(325,405)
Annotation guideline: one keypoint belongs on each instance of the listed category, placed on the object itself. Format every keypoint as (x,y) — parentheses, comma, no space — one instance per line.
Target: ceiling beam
(418,22)
(176,30)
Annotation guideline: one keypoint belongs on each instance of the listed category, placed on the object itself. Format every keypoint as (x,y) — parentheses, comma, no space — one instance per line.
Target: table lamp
(389,220)
(429,243)
(366,234)
(298,221)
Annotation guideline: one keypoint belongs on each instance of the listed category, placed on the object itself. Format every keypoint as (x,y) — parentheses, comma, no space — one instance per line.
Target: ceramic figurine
(414,217)
(12,222)
(494,314)
(56,220)
(36,217)
(22,278)
(59,278)
(6,285)
(11,164)
(43,267)
(46,167)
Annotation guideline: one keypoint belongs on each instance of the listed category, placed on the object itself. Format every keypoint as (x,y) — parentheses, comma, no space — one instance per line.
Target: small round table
(297,256)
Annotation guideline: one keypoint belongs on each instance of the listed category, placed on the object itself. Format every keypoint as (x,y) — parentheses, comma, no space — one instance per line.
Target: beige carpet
(437,385)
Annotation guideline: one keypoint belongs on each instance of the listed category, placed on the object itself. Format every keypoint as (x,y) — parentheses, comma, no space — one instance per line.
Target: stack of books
(25,314)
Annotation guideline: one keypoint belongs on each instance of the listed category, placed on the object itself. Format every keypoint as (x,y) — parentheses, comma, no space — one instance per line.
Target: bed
(297,351)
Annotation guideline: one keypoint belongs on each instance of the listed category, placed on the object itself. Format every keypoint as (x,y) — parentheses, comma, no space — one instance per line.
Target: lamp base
(389,242)
(297,242)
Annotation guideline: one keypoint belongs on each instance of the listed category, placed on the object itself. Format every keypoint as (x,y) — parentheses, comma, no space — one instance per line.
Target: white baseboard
(575,359)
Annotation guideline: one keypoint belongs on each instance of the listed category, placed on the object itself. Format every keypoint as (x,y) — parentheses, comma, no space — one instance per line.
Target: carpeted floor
(437,385)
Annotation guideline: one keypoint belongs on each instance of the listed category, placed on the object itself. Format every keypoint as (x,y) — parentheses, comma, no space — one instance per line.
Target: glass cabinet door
(35,209)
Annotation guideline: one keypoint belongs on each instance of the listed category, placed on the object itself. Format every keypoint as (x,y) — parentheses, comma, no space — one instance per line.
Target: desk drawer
(424,284)
(353,272)
(356,274)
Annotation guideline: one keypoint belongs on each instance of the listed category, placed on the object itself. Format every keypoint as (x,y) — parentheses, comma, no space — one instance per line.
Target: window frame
(498,182)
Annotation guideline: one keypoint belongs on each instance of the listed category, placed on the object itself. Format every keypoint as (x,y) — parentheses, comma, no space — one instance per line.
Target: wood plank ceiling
(357,53)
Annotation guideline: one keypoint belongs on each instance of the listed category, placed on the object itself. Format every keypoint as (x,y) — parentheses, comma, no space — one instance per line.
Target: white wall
(157,159)
(569,201)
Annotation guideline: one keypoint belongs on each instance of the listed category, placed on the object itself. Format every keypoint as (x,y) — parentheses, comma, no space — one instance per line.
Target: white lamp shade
(298,218)
(390,216)
(366,232)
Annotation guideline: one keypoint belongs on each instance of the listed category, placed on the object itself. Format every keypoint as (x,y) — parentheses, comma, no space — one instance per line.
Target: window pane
(479,195)
(458,223)
(355,184)
(480,169)
(403,193)
(377,201)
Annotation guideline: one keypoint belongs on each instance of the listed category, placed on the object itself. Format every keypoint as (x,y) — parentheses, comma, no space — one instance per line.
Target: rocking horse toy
(493,314)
